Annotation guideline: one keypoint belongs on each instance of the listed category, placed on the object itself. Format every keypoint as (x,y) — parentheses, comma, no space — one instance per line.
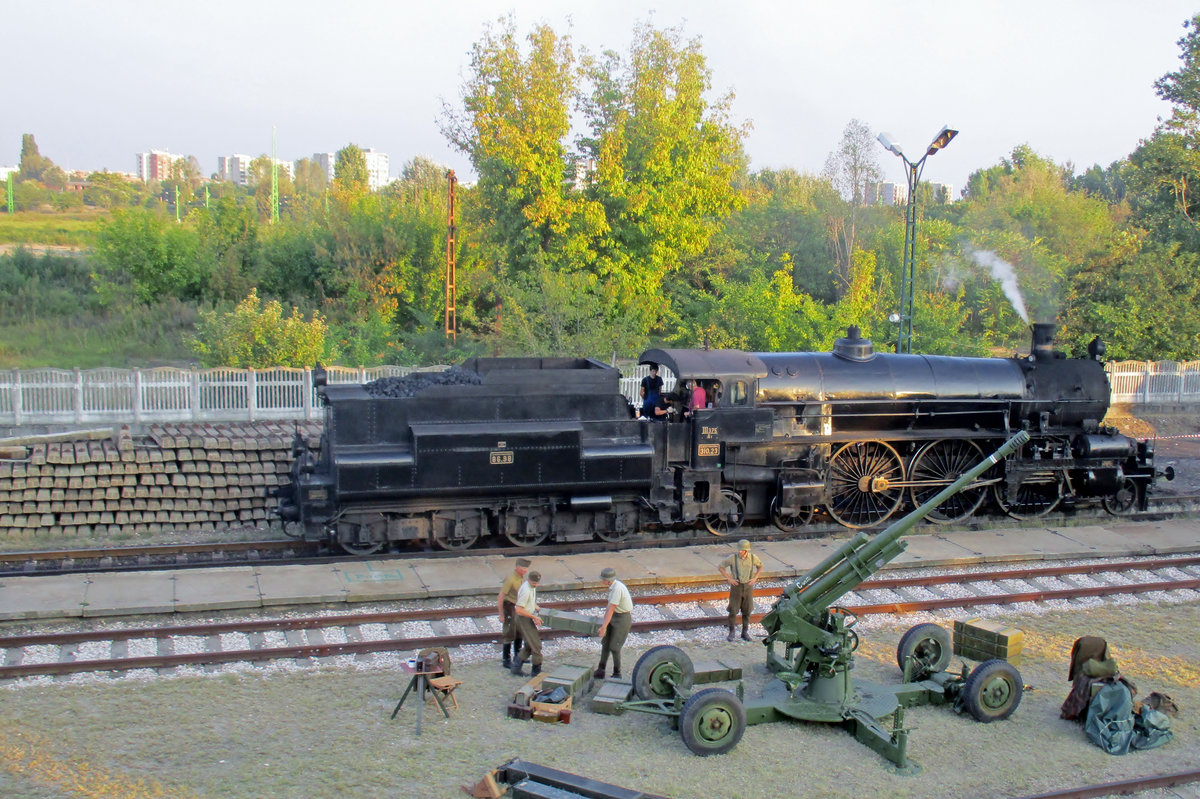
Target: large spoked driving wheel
(712,722)
(730,520)
(1125,500)
(1031,500)
(660,671)
(937,465)
(863,478)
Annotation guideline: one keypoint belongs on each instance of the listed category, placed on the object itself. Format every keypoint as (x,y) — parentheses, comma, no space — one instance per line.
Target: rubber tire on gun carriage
(992,691)
(929,646)
(660,671)
(712,722)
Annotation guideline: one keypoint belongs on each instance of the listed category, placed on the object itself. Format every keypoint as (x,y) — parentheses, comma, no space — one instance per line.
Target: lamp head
(944,137)
(889,145)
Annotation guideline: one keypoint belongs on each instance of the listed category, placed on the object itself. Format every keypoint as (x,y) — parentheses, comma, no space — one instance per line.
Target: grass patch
(136,337)
(59,229)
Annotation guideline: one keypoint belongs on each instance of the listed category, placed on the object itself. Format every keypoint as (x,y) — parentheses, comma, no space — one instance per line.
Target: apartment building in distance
(885,193)
(155,165)
(236,168)
(378,167)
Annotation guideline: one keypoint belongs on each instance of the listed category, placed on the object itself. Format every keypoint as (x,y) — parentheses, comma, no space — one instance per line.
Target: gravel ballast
(290,731)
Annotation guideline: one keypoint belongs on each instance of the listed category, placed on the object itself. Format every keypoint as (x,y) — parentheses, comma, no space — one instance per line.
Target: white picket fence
(66,396)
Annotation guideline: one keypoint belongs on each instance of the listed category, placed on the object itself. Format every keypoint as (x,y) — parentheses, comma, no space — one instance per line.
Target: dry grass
(326,733)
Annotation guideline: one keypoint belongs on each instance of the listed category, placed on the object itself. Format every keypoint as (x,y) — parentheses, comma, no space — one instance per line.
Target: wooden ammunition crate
(983,639)
(612,693)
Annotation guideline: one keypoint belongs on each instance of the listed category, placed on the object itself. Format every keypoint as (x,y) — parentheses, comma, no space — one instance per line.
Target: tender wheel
(522,531)
(929,647)
(992,691)
(937,465)
(660,671)
(789,523)
(712,722)
(454,533)
(362,539)
(1125,500)
(1032,499)
(862,481)
(729,521)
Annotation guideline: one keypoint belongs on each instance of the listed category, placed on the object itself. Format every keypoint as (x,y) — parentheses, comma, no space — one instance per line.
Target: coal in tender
(410,384)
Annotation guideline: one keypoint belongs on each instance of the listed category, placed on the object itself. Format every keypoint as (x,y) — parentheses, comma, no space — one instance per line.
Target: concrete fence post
(1146,384)
(194,394)
(137,395)
(251,393)
(77,399)
(306,393)
(16,397)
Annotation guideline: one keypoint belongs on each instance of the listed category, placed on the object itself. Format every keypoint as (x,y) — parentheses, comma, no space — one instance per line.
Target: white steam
(1003,273)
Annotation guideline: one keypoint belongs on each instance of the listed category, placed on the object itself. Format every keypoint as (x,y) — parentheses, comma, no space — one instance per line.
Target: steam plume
(1002,271)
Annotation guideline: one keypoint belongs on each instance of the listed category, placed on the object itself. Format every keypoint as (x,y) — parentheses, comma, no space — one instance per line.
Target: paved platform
(108,594)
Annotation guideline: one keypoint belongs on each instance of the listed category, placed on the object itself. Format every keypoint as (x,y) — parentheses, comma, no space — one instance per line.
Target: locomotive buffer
(812,675)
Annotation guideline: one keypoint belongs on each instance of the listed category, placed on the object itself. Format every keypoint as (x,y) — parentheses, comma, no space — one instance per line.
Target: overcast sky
(97,82)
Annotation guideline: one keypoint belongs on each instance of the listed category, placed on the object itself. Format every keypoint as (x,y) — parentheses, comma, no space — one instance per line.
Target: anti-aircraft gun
(813,679)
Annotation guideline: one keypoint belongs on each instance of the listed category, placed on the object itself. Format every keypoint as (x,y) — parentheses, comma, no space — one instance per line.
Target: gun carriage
(813,680)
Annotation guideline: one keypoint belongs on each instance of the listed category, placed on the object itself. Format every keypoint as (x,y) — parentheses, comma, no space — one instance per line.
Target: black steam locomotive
(550,450)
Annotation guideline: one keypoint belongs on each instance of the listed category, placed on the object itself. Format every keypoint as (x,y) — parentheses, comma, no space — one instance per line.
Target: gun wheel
(660,671)
(863,478)
(929,647)
(992,691)
(937,465)
(712,722)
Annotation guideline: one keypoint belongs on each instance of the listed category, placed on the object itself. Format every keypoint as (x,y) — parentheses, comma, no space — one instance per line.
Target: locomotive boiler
(536,450)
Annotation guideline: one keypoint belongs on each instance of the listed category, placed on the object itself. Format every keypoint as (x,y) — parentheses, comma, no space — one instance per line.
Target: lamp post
(912,172)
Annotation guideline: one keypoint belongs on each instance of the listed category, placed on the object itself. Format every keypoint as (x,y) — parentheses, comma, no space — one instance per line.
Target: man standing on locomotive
(506,602)
(527,623)
(617,620)
(741,571)
(651,389)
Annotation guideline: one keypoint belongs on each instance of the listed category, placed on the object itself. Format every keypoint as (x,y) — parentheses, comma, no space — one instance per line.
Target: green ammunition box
(570,621)
(577,680)
(708,671)
(610,694)
(982,639)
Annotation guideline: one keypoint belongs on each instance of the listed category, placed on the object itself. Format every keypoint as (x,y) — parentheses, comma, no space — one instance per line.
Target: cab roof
(707,364)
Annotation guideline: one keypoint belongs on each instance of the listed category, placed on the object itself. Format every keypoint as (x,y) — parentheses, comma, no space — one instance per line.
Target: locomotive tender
(548,449)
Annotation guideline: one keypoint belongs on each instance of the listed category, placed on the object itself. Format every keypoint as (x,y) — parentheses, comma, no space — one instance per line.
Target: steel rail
(689,623)
(1122,788)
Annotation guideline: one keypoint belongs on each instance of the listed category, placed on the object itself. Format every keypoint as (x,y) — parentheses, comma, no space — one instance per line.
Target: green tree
(162,258)
(350,172)
(851,169)
(311,179)
(257,336)
(32,164)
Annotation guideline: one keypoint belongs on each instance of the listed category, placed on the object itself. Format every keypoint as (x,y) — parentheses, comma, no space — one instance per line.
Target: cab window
(737,393)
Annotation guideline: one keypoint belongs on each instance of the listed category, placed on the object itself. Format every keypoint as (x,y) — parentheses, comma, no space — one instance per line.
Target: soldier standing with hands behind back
(741,571)
(506,603)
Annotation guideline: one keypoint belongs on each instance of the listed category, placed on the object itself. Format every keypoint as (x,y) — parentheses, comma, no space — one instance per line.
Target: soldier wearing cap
(617,619)
(526,608)
(505,602)
(741,571)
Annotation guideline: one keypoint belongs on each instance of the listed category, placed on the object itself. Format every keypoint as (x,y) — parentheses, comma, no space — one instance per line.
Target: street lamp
(913,174)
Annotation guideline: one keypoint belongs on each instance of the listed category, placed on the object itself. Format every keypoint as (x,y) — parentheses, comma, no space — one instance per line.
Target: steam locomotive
(549,449)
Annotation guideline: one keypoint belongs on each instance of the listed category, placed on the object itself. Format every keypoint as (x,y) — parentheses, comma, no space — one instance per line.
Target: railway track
(201,555)
(317,637)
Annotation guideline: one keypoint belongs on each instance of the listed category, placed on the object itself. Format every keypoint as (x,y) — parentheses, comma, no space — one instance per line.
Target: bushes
(257,336)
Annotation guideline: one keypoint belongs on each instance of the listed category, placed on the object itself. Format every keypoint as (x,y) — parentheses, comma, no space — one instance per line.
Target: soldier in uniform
(741,571)
(505,602)
(617,619)
(528,621)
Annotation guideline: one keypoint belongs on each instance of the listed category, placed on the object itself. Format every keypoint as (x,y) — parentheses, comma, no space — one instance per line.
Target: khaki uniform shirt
(527,598)
(512,584)
(742,569)
(619,595)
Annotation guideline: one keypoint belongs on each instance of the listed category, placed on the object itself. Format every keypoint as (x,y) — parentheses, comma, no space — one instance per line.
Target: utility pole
(176,202)
(206,196)
(11,205)
(451,256)
(274,181)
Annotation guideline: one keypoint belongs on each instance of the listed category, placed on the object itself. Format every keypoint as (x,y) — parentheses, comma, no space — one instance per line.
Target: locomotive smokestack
(1043,340)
